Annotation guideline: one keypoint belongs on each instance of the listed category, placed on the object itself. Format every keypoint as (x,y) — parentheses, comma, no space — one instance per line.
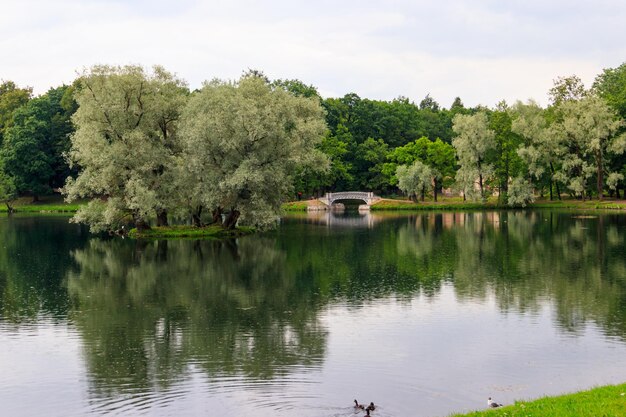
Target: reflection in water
(270,323)
(330,218)
(148,309)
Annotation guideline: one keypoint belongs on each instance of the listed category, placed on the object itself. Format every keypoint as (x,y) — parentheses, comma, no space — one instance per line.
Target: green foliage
(8,192)
(520,193)
(611,86)
(244,142)
(11,99)
(33,149)
(587,130)
(473,142)
(125,144)
(415,180)
(567,89)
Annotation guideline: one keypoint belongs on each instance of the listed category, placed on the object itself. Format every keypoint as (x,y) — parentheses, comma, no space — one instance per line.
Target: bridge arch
(367,197)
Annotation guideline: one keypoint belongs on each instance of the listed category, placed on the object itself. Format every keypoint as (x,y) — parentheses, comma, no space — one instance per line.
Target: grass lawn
(46,204)
(457,203)
(607,401)
(191,232)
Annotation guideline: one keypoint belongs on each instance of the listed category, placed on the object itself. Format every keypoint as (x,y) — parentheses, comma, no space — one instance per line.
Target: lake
(423,314)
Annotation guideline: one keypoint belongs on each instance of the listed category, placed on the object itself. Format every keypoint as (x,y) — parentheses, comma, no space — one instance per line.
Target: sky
(483,51)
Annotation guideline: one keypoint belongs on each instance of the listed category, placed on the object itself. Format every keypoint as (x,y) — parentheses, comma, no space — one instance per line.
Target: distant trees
(34,143)
(473,142)
(144,147)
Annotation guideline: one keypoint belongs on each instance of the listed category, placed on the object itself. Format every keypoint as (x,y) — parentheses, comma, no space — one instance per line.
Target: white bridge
(368,198)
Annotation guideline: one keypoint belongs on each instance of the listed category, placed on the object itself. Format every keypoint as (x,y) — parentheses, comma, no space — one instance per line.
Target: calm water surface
(422,314)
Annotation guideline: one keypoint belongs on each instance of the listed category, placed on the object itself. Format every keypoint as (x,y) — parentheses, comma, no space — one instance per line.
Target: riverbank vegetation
(602,401)
(145,150)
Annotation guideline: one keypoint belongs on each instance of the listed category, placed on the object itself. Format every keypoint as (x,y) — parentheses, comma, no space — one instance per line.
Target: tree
(611,86)
(589,128)
(11,98)
(297,88)
(244,142)
(35,143)
(7,190)
(473,141)
(540,151)
(442,161)
(370,158)
(567,89)
(506,162)
(125,144)
(414,179)
(24,153)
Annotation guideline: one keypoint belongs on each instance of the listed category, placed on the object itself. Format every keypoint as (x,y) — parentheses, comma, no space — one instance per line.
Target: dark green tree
(11,98)
(33,147)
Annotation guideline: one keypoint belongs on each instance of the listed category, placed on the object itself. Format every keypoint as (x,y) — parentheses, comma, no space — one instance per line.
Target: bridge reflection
(360,219)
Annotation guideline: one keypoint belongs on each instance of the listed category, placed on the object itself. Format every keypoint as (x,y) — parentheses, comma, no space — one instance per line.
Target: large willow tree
(125,145)
(243,142)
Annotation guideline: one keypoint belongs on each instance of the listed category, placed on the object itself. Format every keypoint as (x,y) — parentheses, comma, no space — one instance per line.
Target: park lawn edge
(192,232)
(608,400)
(405,205)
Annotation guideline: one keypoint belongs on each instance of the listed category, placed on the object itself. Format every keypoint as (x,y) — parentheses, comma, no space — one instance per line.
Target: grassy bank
(609,401)
(46,204)
(457,203)
(191,232)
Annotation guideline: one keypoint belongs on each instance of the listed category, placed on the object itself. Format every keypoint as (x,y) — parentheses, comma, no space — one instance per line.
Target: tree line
(140,145)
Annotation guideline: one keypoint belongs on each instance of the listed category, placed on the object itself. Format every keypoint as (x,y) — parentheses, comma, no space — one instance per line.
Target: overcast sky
(482,50)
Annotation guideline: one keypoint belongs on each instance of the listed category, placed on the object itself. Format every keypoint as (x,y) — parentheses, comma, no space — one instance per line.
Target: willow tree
(125,145)
(244,141)
(473,141)
(541,153)
(415,179)
(589,129)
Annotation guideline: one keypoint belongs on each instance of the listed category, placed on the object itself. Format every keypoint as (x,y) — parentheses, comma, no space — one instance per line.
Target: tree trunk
(617,193)
(551,185)
(600,174)
(231,219)
(10,208)
(423,194)
(141,224)
(162,217)
(435,189)
(195,217)
(217,215)
(35,198)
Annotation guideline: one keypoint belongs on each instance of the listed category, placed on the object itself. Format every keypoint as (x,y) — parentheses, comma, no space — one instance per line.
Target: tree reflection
(147,310)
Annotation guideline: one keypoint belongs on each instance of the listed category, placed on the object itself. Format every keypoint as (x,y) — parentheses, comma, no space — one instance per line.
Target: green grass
(429,205)
(46,204)
(608,401)
(191,232)
(295,206)
(582,205)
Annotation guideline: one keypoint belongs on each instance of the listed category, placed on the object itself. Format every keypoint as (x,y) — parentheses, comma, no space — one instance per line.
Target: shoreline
(607,400)
(456,203)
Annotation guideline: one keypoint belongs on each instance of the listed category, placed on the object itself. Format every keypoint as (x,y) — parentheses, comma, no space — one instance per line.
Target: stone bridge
(367,198)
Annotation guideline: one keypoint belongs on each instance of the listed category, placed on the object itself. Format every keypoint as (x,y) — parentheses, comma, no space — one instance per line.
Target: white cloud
(482,51)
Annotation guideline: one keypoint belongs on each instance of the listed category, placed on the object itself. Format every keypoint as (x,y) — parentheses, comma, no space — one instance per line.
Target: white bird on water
(492,404)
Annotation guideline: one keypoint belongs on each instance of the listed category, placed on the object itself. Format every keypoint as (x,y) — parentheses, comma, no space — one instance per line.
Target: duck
(492,404)
(358,406)
(371,407)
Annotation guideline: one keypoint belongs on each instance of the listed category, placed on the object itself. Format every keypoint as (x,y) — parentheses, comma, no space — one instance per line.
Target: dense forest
(517,151)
